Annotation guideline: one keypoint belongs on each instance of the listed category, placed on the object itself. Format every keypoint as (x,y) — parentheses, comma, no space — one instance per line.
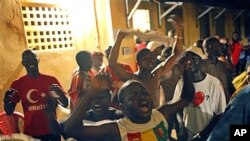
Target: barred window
(47,27)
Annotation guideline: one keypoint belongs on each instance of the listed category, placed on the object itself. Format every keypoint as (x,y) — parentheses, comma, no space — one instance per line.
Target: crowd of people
(173,88)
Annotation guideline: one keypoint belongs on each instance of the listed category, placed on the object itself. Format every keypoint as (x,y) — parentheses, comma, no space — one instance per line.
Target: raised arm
(117,68)
(153,37)
(9,106)
(74,127)
(177,48)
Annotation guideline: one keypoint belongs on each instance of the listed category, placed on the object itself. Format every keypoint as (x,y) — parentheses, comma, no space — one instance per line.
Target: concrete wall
(191,27)
(12,43)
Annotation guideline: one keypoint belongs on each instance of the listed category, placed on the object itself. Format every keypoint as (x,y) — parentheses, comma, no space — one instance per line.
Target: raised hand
(122,33)
(175,20)
(55,90)
(8,94)
(102,81)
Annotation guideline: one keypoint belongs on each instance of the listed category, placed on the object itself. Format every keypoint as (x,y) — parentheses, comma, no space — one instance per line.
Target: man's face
(30,62)
(137,103)
(191,63)
(147,62)
(100,103)
(97,60)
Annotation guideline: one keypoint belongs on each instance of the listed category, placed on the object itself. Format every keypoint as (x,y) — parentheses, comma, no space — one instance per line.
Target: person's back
(236,113)
(81,77)
(215,67)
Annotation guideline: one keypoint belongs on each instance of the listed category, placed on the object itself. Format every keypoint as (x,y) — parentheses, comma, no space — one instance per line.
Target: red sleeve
(127,68)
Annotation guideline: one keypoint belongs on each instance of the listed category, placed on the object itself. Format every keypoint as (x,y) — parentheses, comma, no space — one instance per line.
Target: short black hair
(138,40)
(142,53)
(82,55)
(123,89)
(212,43)
(28,51)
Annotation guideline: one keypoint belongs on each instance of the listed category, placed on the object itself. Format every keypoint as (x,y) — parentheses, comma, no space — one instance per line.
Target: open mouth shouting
(97,107)
(144,106)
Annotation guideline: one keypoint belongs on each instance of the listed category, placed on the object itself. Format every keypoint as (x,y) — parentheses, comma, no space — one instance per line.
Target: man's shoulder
(244,93)
(212,78)
(47,76)
(22,78)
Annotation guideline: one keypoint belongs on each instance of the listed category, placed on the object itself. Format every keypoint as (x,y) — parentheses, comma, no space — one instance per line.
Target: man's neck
(84,70)
(33,74)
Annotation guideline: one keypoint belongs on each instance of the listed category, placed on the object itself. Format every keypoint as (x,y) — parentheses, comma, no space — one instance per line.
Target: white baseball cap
(197,51)
(152,45)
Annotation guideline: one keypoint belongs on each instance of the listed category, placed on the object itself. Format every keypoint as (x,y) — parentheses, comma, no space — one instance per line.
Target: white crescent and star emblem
(28,96)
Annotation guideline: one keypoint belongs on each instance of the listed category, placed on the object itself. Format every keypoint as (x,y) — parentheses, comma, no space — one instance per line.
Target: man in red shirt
(81,77)
(34,90)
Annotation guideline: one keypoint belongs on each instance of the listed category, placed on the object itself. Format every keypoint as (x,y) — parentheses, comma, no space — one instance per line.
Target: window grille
(47,27)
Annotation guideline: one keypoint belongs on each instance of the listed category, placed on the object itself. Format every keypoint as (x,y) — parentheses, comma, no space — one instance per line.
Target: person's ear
(38,60)
(138,63)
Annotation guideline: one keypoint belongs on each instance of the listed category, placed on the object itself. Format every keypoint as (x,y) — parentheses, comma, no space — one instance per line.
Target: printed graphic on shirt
(33,98)
(87,83)
(159,133)
(198,98)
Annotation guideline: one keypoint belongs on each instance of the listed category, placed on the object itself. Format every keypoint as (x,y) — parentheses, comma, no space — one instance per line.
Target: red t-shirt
(138,47)
(32,92)
(81,81)
(236,50)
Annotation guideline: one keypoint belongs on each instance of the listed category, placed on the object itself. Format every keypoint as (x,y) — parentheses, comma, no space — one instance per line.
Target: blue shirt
(237,112)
